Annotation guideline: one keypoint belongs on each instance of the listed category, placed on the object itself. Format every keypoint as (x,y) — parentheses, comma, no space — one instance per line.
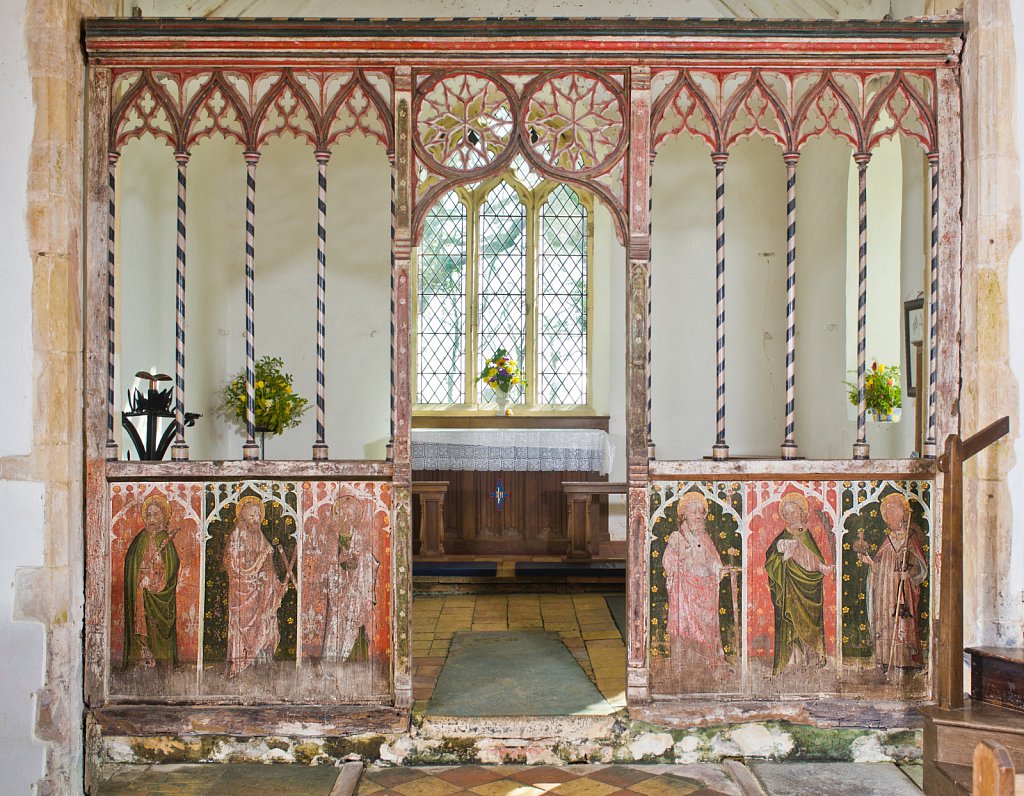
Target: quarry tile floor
(583,622)
(755,779)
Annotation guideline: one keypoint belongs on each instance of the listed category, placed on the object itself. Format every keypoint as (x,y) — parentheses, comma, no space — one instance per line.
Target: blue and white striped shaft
(860,447)
(250,450)
(179,451)
(320,446)
(112,159)
(789,447)
(933,310)
(720,449)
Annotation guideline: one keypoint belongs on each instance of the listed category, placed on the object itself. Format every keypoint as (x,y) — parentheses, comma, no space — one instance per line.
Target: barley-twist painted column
(112,158)
(394,402)
(250,450)
(720,450)
(179,450)
(320,450)
(861,449)
(789,446)
(929,447)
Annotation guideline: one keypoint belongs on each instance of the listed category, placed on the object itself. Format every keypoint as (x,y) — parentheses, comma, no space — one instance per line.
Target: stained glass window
(441,304)
(562,300)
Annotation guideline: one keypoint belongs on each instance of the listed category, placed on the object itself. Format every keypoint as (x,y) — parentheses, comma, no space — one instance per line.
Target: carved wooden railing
(950,672)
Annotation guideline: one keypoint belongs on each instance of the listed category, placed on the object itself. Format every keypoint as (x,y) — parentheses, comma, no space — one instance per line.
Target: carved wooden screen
(586,104)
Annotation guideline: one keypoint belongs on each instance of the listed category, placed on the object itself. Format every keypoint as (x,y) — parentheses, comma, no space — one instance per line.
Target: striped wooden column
(320,450)
(929,446)
(651,452)
(789,446)
(394,305)
(861,449)
(250,450)
(179,450)
(112,158)
(720,450)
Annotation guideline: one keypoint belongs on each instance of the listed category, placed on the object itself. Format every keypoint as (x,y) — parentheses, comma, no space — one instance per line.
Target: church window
(505,265)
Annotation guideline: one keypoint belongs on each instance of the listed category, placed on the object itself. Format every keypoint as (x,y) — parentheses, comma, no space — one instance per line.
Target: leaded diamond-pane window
(505,264)
(502,282)
(562,300)
(441,303)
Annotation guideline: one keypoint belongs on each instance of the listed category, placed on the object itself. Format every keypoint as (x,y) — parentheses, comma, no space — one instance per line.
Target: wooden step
(947,779)
(997,675)
(950,736)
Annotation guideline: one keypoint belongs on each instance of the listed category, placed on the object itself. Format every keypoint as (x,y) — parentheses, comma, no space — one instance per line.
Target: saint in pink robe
(894,613)
(254,597)
(693,571)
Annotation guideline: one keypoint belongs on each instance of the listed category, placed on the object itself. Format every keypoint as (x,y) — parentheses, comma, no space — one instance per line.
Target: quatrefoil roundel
(464,123)
(574,122)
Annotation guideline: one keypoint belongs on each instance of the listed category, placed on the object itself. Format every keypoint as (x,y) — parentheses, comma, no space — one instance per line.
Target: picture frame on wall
(913,332)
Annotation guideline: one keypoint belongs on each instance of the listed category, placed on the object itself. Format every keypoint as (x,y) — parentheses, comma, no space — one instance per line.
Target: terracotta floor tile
(534,775)
(620,776)
(506,787)
(469,776)
(665,786)
(389,777)
(583,786)
(426,786)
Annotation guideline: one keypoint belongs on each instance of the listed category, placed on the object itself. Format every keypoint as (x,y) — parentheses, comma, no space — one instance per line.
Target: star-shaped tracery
(575,122)
(464,122)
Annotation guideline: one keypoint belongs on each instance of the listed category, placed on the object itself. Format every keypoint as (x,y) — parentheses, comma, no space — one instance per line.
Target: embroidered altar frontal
(273,589)
(769,588)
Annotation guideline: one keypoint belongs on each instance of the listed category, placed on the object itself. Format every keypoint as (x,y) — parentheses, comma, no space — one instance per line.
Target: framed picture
(913,332)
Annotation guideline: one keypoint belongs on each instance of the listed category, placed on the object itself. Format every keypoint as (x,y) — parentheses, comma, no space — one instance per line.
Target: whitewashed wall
(1012,598)
(21,530)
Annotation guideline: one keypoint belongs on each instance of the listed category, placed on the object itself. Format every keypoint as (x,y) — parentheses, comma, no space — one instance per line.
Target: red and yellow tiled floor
(582,621)
(589,780)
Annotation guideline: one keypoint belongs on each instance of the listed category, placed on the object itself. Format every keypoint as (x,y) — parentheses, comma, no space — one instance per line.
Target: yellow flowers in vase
(883,392)
(501,373)
(277,406)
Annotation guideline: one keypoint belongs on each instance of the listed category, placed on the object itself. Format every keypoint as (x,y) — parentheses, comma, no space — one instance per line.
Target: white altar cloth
(511,449)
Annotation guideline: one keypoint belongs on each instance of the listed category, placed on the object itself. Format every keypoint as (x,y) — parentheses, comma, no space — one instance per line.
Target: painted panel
(155,587)
(791,569)
(346,582)
(271,590)
(696,586)
(818,586)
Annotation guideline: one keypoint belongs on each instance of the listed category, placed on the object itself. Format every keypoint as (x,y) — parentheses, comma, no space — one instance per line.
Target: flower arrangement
(277,406)
(501,372)
(882,389)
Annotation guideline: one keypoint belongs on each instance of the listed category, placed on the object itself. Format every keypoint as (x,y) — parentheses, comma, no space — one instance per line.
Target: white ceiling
(742,9)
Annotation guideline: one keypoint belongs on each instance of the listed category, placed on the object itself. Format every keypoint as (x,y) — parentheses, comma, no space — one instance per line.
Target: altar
(505,491)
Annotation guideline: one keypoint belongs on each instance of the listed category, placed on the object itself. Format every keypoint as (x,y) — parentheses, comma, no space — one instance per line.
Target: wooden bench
(993,773)
(582,509)
(431,494)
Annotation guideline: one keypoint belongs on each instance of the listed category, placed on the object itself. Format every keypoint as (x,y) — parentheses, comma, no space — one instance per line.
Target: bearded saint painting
(150,583)
(254,589)
(898,569)
(796,572)
(693,573)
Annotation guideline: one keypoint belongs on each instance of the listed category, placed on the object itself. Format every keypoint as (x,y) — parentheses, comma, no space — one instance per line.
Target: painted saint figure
(254,589)
(150,581)
(693,572)
(796,572)
(350,580)
(898,569)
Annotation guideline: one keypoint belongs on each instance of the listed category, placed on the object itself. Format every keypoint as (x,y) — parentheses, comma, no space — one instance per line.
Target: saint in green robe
(151,559)
(796,588)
